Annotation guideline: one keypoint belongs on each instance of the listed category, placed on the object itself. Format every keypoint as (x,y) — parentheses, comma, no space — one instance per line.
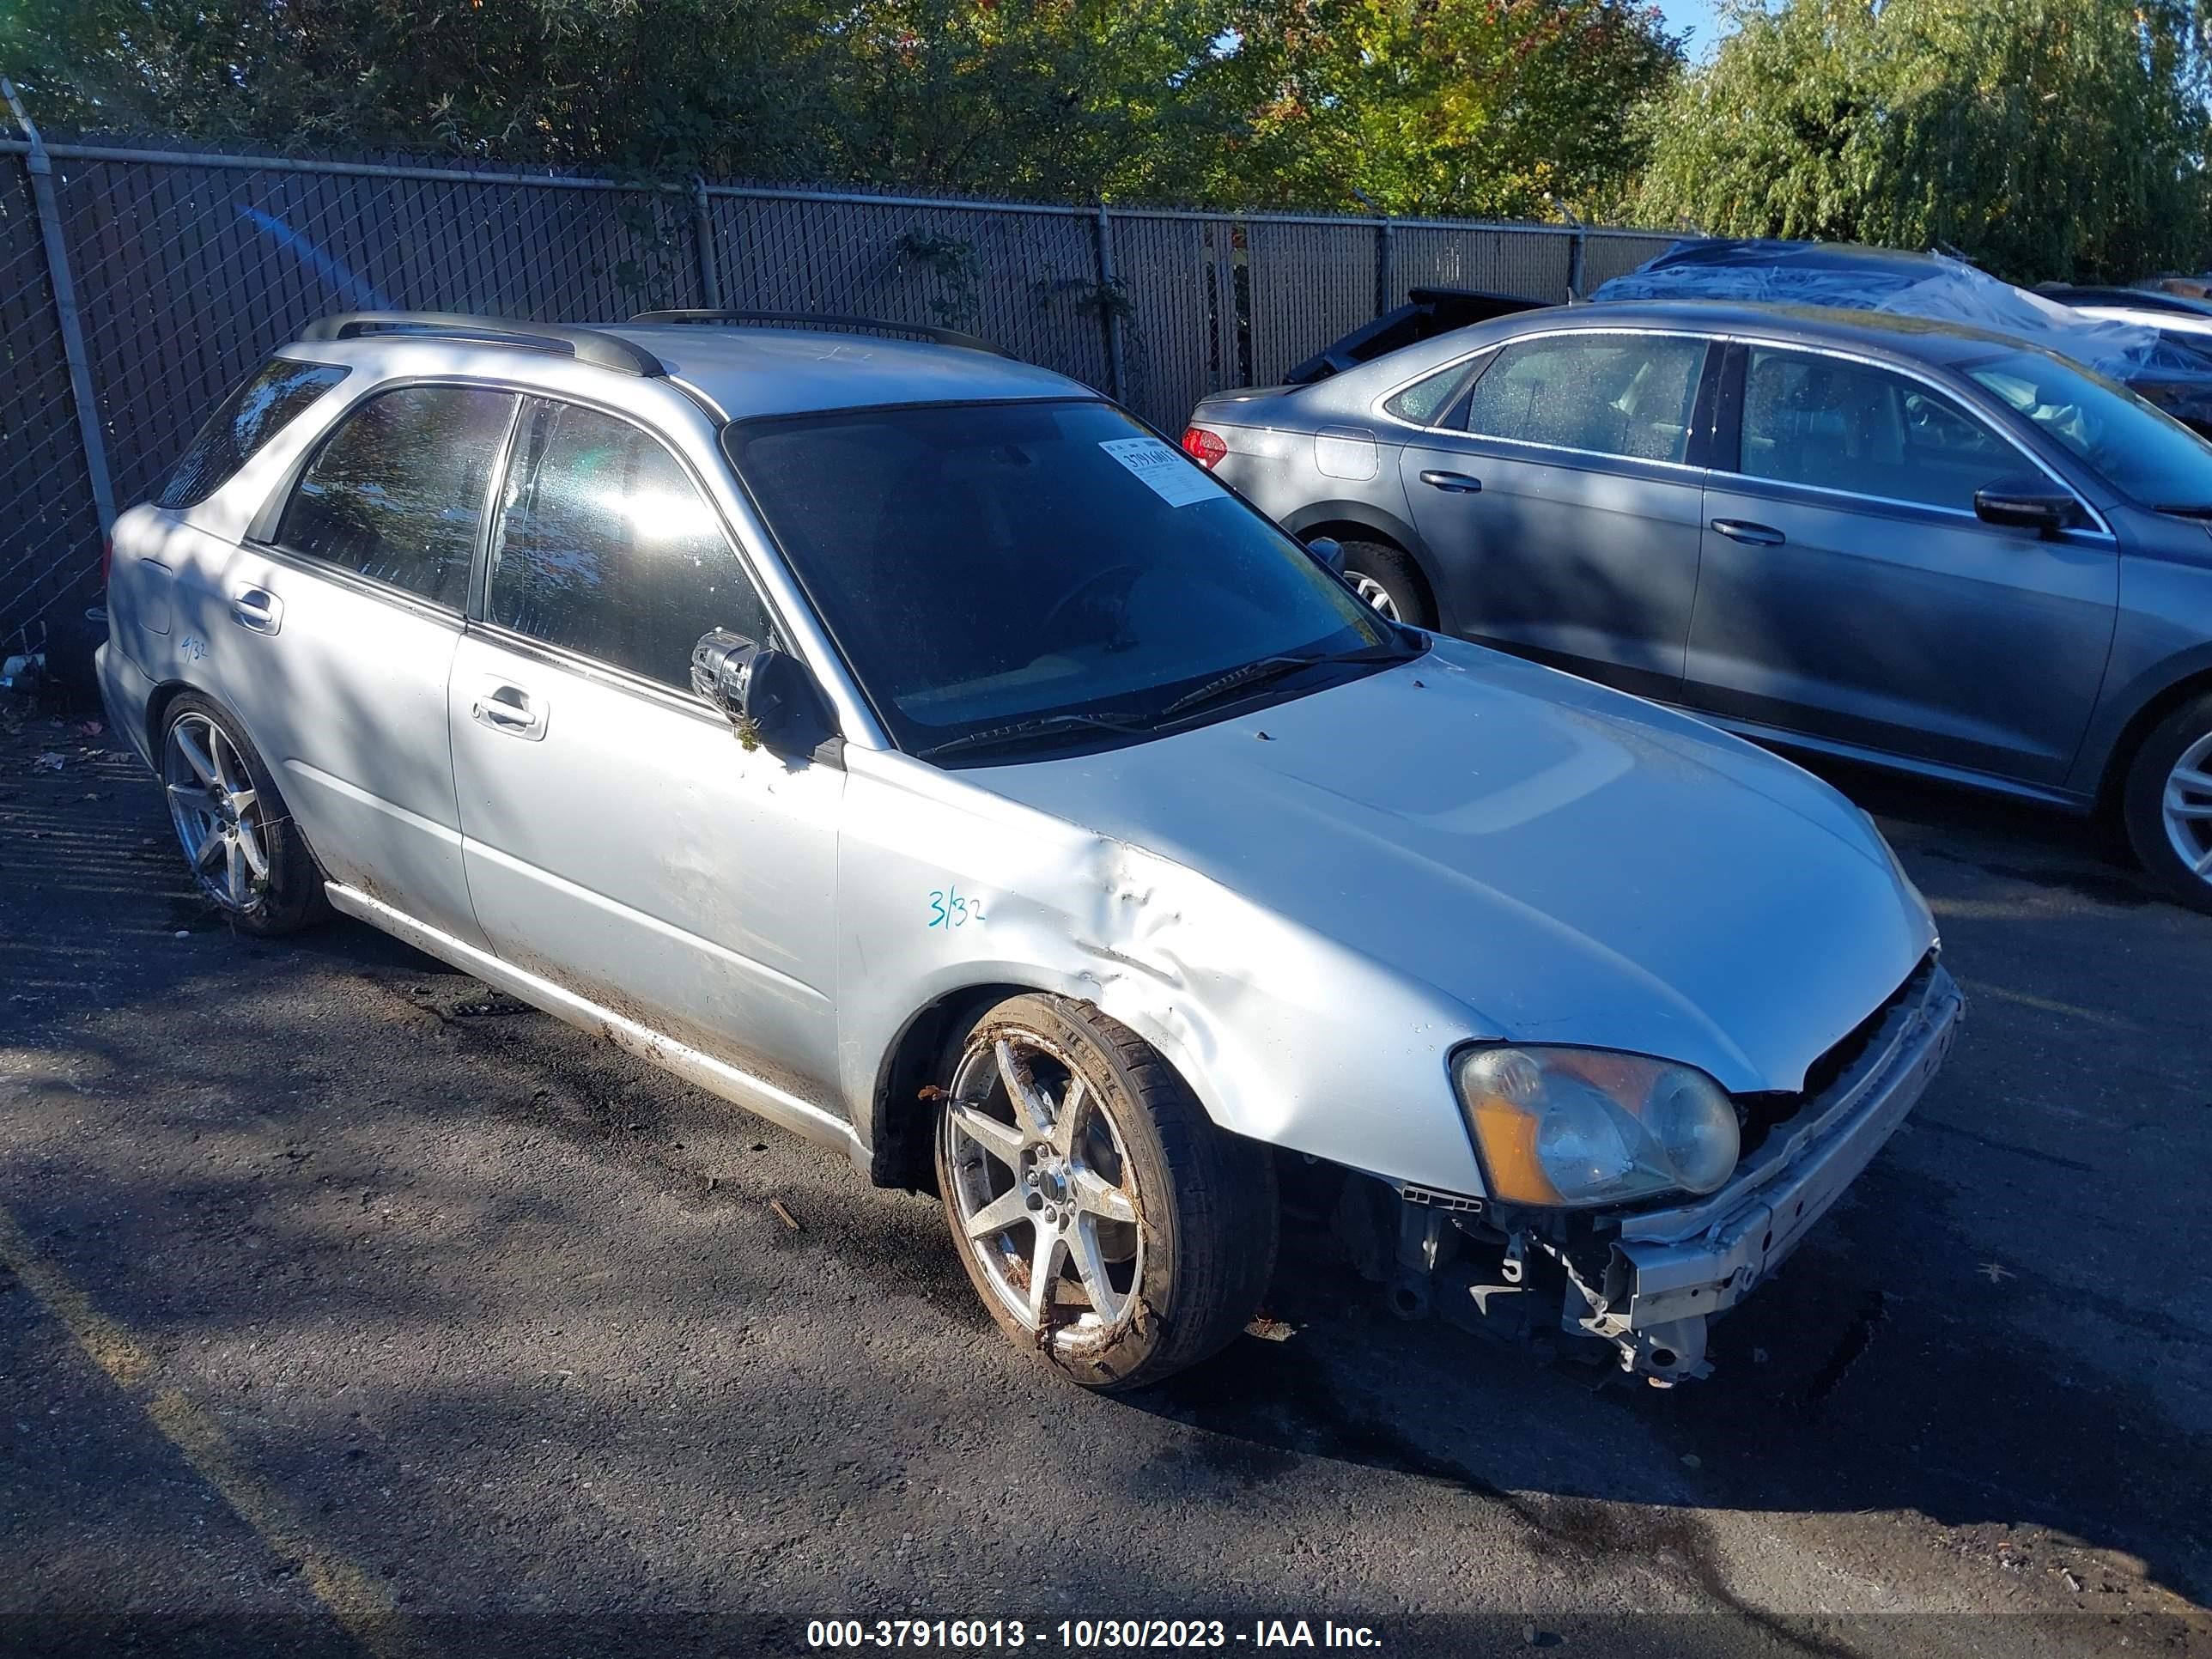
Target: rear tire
(236,833)
(2168,803)
(1067,1142)
(1389,579)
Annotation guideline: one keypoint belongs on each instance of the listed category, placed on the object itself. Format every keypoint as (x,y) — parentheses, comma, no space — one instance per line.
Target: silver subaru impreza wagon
(907,745)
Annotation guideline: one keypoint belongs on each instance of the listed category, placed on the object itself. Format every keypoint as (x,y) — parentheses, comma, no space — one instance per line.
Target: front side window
(605,546)
(2140,450)
(398,492)
(1632,395)
(269,400)
(1836,424)
(985,564)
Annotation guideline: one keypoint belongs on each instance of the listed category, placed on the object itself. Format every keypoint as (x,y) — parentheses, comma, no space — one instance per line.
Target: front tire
(2168,804)
(237,835)
(1104,1220)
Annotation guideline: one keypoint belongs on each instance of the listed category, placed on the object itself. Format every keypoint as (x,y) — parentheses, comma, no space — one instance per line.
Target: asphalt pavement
(348,1307)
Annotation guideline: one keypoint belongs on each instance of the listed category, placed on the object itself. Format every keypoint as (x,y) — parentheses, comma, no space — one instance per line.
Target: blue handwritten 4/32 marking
(949,908)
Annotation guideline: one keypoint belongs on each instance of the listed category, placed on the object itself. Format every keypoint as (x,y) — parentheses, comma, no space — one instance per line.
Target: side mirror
(770,697)
(1329,551)
(2027,502)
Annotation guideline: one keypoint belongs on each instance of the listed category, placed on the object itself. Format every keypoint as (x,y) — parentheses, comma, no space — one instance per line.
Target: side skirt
(716,1077)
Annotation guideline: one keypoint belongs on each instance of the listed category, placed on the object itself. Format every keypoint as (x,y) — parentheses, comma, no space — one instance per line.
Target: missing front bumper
(1649,1290)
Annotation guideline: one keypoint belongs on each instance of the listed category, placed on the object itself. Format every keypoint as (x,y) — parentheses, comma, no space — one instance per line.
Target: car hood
(1572,865)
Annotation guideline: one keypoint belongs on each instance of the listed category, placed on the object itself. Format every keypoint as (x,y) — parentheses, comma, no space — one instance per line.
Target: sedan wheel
(1104,1222)
(1377,595)
(2167,803)
(2188,807)
(217,811)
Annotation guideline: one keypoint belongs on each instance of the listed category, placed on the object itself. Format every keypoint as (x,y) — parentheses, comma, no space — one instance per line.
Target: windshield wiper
(1275,667)
(2187,509)
(1022,730)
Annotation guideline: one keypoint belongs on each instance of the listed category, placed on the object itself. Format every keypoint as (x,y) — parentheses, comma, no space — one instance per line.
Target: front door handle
(256,608)
(508,710)
(1452,484)
(1756,535)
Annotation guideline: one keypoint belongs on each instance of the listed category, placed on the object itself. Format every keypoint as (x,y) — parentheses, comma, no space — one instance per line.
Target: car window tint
(1824,421)
(1424,402)
(605,546)
(1614,394)
(266,403)
(398,492)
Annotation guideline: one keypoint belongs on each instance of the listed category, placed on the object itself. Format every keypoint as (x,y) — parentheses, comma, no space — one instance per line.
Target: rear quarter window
(269,400)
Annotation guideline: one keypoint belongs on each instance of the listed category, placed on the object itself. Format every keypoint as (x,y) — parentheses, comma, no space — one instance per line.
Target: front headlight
(1579,1126)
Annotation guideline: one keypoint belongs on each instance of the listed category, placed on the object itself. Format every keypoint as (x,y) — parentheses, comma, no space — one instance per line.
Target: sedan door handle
(508,710)
(1742,530)
(1452,484)
(256,608)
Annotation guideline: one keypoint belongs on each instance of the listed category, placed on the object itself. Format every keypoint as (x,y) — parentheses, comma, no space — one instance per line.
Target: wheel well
(1347,530)
(2140,725)
(157,705)
(899,1153)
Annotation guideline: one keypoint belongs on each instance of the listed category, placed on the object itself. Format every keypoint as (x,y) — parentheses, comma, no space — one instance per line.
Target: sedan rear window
(268,401)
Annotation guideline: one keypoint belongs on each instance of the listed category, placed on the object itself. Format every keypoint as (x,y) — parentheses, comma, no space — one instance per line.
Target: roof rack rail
(585,345)
(952,337)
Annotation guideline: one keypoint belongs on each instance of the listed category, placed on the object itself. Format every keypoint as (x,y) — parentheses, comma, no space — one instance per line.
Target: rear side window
(605,546)
(270,399)
(1423,402)
(1632,395)
(398,492)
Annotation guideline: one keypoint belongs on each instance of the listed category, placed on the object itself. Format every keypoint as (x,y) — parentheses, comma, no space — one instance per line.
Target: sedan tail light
(1204,447)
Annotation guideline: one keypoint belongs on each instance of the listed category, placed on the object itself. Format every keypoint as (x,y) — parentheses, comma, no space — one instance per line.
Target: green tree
(1486,107)
(1419,105)
(2044,138)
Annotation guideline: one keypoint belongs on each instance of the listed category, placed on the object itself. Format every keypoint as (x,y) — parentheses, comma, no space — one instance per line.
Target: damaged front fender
(1285,1036)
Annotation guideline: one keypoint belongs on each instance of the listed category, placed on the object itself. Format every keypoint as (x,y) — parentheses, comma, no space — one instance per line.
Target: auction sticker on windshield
(1164,470)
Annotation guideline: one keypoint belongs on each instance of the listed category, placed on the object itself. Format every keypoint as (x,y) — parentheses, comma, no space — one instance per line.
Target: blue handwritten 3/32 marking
(948,909)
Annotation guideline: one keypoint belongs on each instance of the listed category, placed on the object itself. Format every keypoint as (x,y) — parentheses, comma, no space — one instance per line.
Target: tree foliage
(2044,138)
(1459,107)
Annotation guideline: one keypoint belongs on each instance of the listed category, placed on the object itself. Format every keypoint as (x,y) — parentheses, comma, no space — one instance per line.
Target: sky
(1694,14)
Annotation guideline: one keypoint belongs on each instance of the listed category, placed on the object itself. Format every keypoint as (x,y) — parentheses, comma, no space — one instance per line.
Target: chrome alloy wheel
(1039,1177)
(2189,807)
(1374,594)
(216,809)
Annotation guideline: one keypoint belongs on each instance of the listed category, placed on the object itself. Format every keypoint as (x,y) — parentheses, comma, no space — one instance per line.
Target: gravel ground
(345,1305)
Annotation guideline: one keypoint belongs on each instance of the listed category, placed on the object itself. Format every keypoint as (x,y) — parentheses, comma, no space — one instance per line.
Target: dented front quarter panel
(1283,1035)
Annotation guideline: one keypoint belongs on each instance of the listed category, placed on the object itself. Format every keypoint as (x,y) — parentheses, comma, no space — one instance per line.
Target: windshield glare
(2142,451)
(983,564)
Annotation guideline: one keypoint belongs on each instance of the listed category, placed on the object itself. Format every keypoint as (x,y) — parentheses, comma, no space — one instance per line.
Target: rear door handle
(1742,530)
(508,710)
(256,608)
(1452,484)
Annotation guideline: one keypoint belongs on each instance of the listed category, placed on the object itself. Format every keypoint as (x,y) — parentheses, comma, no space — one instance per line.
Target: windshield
(982,566)
(2142,451)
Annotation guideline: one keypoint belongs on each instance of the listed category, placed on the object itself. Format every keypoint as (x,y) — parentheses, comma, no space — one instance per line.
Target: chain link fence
(156,279)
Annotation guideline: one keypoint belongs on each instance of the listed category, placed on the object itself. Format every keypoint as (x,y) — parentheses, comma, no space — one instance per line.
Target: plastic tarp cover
(1912,285)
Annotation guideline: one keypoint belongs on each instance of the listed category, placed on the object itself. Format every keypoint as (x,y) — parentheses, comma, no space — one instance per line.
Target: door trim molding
(740,1088)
